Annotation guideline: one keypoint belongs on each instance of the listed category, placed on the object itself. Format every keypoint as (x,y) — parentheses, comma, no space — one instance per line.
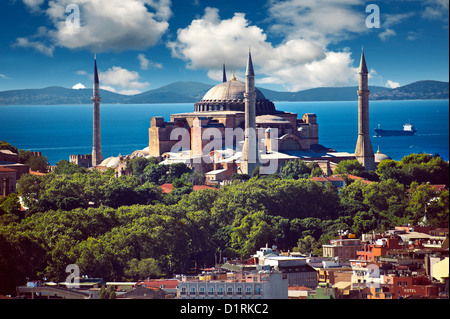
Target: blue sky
(145,44)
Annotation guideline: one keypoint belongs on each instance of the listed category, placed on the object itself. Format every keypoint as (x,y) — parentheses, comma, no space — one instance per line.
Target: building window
(248,291)
(220,291)
(211,291)
(201,291)
(239,291)
(192,291)
(229,291)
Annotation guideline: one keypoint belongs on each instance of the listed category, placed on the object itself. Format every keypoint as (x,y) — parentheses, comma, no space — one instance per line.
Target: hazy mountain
(178,92)
(318,94)
(190,92)
(56,95)
(421,90)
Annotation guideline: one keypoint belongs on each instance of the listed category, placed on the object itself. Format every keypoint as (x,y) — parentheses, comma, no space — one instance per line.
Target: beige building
(344,248)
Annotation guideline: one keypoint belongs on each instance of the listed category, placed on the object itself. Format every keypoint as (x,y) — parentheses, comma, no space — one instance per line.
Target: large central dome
(231,90)
(229,96)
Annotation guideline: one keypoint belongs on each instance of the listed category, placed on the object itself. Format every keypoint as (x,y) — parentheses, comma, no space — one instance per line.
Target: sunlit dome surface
(231,90)
(229,96)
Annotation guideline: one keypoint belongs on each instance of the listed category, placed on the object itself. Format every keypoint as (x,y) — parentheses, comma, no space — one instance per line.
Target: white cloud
(143,61)
(146,63)
(392,84)
(296,63)
(130,92)
(106,24)
(108,88)
(119,77)
(30,42)
(78,86)
(319,21)
(386,34)
(389,20)
(81,72)
(436,9)
(4,77)
(33,4)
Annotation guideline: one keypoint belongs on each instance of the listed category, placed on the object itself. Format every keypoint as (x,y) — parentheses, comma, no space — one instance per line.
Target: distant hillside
(190,92)
(178,92)
(56,95)
(318,94)
(421,90)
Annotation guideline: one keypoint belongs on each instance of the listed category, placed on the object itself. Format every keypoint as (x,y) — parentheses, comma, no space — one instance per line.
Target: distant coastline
(191,92)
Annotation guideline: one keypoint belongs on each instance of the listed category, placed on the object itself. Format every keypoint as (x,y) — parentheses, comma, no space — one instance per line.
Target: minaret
(97,156)
(364,152)
(249,159)
(224,73)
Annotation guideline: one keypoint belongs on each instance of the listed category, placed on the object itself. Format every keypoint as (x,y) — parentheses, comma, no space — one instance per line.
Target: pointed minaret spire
(250,70)
(224,73)
(95,70)
(362,64)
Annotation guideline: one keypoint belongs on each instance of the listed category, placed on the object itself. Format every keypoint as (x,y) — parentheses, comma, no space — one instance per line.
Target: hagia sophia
(216,138)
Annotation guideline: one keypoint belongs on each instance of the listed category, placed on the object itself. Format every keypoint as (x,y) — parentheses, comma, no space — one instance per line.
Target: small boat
(408,130)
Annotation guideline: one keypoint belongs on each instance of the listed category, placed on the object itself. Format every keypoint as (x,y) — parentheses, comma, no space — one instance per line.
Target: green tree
(6,146)
(155,173)
(141,269)
(350,167)
(137,165)
(307,245)
(10,204)
(250,233)
(425,199)
(66,168)
(420,168)
(295,169)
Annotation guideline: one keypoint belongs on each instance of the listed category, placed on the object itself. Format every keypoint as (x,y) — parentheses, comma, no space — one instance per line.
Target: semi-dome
(271,120)
(229,96)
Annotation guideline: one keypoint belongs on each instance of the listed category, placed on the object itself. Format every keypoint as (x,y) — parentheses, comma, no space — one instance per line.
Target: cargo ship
(408,130)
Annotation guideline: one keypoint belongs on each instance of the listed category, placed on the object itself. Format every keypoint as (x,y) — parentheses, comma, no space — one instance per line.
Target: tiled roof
(152,284)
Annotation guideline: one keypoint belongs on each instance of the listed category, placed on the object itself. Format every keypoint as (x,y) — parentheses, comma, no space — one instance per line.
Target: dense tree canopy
(126,228)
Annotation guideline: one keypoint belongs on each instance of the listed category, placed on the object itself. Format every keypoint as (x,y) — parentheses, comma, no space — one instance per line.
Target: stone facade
(81,160)
(7,181)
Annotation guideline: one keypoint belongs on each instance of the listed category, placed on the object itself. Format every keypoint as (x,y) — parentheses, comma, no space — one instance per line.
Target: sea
(61,130)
